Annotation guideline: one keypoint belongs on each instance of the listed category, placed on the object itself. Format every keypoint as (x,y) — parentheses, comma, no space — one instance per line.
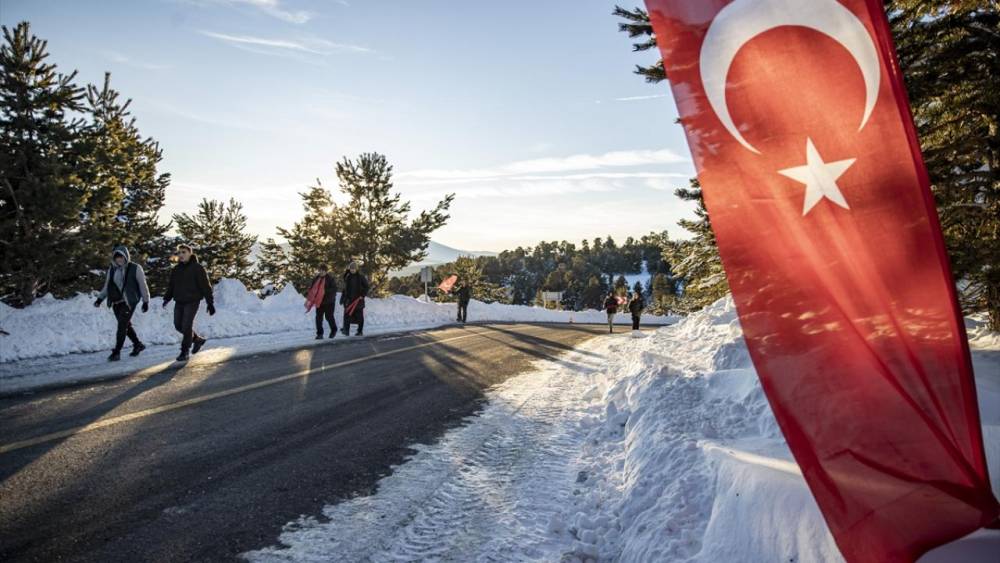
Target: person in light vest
(323,295)
(611,306)
(124,286)
(353,299)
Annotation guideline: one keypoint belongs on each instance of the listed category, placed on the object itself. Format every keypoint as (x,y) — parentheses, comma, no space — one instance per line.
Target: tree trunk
(28,287)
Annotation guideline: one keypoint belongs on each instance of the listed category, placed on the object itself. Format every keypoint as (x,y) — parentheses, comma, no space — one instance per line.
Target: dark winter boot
(320,336)
(115,356)
(137,349)
(198,343)
(359,333)
(346,331)
(183,357)
(333,333)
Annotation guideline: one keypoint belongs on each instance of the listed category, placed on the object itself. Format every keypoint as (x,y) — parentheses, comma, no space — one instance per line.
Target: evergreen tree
(273,265)
(621,286)
(44,200)
(593,294)
(124,163)
(948,51)
(217,232)
(375,219)
(318,238)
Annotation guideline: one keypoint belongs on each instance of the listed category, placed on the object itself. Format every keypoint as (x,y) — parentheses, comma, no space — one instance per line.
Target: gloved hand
(165,301)
(145,306)
(98,302)
(211,309)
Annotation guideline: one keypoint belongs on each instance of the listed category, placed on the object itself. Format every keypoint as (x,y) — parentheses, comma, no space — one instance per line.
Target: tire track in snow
(485,492)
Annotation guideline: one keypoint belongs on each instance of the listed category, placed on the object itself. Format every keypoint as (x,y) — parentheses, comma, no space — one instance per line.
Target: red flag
(800,129)
(447,284)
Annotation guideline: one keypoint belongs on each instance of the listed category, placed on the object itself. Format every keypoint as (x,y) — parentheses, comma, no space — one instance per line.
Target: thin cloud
(577,162)
(274,9)
(311,45)
(122,59)
(637,98)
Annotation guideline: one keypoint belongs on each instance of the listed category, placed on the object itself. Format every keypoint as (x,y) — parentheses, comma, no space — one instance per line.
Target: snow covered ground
(58,341)
(644,447)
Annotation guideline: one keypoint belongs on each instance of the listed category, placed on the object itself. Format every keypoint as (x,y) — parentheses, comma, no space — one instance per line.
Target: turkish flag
(800,130)
(448,283)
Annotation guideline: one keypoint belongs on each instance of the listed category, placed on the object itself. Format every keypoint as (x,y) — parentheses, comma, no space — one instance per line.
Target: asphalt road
(204,462)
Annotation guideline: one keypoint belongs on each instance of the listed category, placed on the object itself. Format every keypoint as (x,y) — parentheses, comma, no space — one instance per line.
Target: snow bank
(693,465)
(52,327)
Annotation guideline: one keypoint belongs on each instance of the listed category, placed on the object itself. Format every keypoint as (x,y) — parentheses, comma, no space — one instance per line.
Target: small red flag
(447,284)
(801,133)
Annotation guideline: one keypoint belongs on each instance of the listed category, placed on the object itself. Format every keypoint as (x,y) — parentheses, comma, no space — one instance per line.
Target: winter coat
(126,283)
(464,294)
(355,285)
(322,291)
(636,305)
(189,283)
(611,304)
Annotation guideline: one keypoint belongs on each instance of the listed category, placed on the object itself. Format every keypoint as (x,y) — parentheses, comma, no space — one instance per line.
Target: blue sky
(527,110)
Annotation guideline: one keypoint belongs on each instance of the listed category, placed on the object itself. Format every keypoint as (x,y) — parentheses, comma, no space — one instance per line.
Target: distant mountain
(437,253)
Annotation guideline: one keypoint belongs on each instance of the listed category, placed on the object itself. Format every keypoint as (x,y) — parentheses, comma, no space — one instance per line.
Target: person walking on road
(464,296)
(188,286)
(124,286)
(611,306)
(322,295)
(353,299)
(635,306)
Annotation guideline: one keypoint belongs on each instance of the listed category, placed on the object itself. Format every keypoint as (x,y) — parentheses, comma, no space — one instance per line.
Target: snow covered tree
(43,197)
(948,51)
(273,265)
(377,229)
(218,234)
(124,164)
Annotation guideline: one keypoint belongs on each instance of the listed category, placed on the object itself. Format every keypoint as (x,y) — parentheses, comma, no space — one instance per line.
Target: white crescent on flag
(742,20)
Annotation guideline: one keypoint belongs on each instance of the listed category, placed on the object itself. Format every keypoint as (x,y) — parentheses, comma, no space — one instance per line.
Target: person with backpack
(611,306)
(353,299)
(635,306)
(322,295)
(188,286)
(464,296)
(124,286)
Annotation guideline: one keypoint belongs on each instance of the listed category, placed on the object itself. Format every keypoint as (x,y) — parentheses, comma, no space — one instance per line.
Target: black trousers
(463,311)
(359,318)
(123,314)
(635,322)
(184,314)
(325,312)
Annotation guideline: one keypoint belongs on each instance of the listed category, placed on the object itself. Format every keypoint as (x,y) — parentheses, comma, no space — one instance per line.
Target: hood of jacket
(123,250)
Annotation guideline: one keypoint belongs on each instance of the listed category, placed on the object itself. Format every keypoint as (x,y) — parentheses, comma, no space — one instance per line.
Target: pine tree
(273,265)
(217,232)
(319,238)
(375,220)
(43,196)
(124,164)
(948,51)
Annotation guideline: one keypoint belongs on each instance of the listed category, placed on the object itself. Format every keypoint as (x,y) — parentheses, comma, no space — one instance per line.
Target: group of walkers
(125,285)
(323,294)
(635,306)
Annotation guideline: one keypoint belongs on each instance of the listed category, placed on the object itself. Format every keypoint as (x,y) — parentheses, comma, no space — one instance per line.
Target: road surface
(204,462)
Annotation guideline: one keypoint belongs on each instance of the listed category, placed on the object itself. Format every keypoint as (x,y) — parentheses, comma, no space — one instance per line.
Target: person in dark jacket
(188,286)
(464,296)
(611,306)
(124,286)
(353,299)
(635,306)
(325,307)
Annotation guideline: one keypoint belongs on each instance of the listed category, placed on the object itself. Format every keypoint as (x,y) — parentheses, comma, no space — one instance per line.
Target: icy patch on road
(661,448)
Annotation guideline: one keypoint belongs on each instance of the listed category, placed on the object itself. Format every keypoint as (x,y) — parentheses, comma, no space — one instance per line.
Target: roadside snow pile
(53,327)
(689,462)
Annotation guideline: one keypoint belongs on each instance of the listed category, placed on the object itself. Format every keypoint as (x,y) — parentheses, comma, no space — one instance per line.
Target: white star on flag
(819,177)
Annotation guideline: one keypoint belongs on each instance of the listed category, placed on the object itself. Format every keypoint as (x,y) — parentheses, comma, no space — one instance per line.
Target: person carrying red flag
(356,288)
(322,295)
